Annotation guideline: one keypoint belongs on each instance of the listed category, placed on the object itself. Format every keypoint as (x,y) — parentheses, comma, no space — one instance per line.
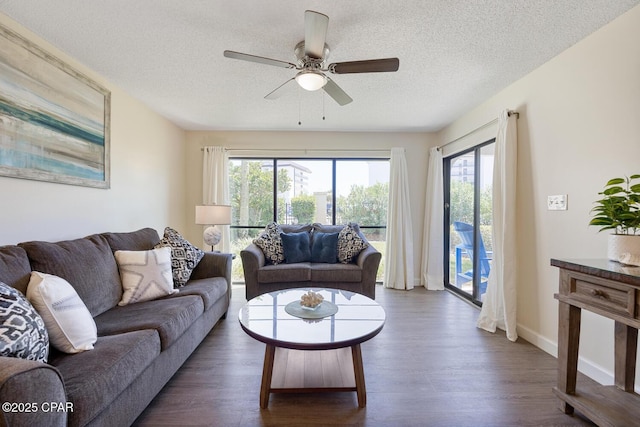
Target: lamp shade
(213,214)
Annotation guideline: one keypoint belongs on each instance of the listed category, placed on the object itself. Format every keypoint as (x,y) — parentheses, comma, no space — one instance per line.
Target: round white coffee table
(312,354)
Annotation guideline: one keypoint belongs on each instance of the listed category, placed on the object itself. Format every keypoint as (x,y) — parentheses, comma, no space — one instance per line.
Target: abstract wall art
(54,120)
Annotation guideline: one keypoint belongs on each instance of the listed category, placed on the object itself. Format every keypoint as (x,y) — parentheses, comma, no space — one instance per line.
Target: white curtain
(398,273)
(499,305)
(215,186)
(432,267)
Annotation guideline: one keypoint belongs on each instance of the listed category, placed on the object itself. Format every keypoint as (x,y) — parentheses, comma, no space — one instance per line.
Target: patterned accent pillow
(69,324)
(184,256)
(271,243)
(146,275)
(22,330)
(350,244)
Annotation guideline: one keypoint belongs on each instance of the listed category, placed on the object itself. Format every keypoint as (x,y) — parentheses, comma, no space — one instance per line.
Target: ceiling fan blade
(368,66)
(259,59)
(315,33)
(334,91)
(277,92)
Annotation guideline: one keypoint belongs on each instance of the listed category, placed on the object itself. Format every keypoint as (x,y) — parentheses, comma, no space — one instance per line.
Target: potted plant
(619,210)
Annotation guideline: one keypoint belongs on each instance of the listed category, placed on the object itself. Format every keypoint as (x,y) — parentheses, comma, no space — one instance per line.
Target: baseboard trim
(585,366)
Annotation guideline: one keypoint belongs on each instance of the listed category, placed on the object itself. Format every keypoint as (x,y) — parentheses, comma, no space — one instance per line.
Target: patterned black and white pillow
(184,256)
(270,242)
(22,330)
(350,244)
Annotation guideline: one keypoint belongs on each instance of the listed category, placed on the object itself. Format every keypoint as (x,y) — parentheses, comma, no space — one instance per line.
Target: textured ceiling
(453,54)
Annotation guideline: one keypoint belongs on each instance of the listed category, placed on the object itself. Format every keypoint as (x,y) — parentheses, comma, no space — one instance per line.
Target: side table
(611,290)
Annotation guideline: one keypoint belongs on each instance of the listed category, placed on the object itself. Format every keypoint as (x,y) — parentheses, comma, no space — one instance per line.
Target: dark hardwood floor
(430,366)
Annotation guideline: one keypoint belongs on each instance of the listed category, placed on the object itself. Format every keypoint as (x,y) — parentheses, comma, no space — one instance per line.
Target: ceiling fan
(312,54)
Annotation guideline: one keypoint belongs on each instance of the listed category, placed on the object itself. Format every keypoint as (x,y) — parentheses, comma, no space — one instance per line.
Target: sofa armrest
(214,264)
(369,261)
(252,259)
(32,387)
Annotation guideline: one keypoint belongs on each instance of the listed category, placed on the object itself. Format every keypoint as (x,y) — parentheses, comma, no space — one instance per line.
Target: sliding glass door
(468,226)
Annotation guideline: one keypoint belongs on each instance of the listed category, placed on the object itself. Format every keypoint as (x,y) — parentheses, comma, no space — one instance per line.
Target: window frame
(474,298)
(334,161)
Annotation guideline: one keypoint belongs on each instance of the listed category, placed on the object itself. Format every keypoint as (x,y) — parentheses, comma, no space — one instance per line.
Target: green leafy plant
(303,208)
(619,208)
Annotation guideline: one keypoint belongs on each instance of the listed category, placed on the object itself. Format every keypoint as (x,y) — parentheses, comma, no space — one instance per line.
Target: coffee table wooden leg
(358,370)
(267,372)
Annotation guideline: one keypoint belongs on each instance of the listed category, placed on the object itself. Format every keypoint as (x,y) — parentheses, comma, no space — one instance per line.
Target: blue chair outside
(465,231)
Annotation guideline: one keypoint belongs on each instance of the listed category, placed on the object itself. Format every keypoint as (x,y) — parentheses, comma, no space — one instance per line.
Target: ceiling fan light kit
(311,80)
(312,54)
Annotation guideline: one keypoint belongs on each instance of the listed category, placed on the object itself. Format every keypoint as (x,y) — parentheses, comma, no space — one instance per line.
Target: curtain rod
(510,113)
(388,150)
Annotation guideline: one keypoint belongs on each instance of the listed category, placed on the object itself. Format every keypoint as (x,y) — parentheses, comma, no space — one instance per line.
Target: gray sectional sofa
(359,276)
(139,346)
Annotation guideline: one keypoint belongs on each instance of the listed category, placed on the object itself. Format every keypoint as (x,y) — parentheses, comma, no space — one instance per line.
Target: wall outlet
(557,202)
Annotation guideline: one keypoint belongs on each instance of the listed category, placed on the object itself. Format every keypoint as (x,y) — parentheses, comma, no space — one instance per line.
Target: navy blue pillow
(325,247)
(296,247)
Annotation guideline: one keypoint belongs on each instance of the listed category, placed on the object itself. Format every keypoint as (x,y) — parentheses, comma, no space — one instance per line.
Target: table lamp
(213,215)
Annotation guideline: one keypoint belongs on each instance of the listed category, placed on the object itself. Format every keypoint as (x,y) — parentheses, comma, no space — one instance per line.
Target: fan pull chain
(299,108)
(323,117)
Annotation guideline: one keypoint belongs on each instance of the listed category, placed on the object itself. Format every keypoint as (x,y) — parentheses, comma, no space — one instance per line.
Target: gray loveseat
(359,276)
(139,347)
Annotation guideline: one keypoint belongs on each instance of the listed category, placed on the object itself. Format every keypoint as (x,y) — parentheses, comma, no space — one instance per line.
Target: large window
(300,191)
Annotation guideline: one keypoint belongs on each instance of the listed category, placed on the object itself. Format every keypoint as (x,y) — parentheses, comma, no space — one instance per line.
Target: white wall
(147,177)
(416,145)
(579,126)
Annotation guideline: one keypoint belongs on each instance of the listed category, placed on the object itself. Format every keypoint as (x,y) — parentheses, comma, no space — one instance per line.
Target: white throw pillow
(145,275)
(69,324)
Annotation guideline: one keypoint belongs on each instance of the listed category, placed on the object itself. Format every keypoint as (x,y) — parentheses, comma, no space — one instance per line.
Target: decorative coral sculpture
(311,300)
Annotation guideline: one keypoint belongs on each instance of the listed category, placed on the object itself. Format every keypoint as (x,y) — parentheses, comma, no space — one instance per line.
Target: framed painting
(54,120)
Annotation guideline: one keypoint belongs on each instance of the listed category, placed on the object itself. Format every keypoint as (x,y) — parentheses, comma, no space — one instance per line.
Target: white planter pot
(620,244)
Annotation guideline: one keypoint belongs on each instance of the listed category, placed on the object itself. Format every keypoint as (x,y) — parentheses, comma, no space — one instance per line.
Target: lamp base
(212,236)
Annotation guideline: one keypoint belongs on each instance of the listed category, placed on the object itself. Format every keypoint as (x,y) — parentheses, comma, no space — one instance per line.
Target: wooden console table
(611,290)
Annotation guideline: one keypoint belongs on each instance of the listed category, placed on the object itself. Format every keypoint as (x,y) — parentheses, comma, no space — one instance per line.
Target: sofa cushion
(145,275)
(22,330)
(15,270)
(210,290)
(87,264)
(296,228)
(326,228)
(335,273)
(296,247)
(140,240)
(184,256)
(171,317)
(299,272)
(94,379)
(324,247)
(350,243)
(69,324)
(270,242)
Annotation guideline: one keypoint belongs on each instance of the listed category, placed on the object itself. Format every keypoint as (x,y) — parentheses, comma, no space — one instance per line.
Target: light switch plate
(557,202)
